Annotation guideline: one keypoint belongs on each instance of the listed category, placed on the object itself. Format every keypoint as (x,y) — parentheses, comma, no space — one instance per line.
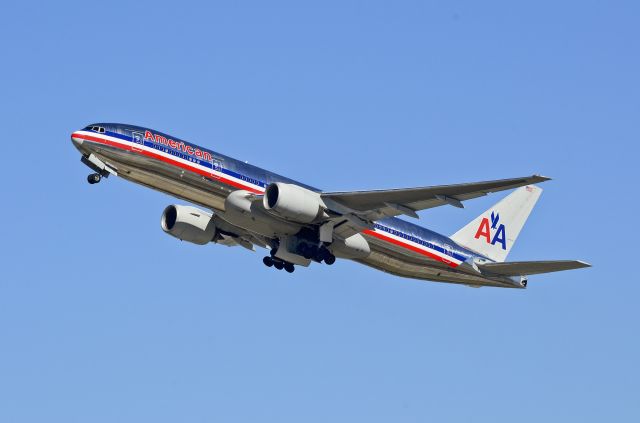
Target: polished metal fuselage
(210,191)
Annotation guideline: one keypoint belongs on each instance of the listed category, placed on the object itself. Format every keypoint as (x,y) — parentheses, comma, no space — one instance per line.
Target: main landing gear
(270,261)
(94,178)
(318,254)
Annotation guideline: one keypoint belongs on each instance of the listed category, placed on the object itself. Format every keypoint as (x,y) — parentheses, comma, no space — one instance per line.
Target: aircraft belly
(405,263)
(164,177)
(210,193)
(392,265)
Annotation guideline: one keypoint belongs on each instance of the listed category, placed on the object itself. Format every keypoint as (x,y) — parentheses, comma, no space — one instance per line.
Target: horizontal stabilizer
(525,268)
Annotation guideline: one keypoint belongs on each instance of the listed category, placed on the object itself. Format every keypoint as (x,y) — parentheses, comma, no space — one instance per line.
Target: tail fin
(494,232)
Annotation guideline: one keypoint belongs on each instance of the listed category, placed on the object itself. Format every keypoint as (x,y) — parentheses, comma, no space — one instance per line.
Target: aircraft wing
(231,235)
(374,205)
(525,268)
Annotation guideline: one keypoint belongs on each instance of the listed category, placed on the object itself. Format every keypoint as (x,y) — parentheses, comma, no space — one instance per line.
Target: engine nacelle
(292,202)
(188,224)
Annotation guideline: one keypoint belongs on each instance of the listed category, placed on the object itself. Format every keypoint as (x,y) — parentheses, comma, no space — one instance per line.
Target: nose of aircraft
(75,138)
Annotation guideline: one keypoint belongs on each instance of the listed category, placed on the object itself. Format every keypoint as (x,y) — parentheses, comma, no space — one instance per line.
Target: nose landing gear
(100,168)
(94,178)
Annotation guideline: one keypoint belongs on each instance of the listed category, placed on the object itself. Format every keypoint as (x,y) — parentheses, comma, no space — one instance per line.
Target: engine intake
(292,202)
(188,224)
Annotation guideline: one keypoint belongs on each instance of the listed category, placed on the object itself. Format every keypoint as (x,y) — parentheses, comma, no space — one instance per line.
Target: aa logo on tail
(484,231)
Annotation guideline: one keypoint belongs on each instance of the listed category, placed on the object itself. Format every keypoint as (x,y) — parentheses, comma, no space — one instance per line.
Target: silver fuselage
(206,178)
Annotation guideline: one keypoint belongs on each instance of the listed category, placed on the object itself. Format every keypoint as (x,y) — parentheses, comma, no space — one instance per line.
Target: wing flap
(525,268)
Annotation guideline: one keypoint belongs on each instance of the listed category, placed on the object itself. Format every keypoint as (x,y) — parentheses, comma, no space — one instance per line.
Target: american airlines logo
(484,231)
(177,145)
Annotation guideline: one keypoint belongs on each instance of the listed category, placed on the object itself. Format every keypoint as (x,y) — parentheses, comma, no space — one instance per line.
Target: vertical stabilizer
(494,232)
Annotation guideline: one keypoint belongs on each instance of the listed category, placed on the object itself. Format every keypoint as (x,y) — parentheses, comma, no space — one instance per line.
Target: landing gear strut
(94,178)
(100,168)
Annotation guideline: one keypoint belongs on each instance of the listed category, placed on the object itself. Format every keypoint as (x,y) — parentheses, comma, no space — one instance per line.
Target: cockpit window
(99,129)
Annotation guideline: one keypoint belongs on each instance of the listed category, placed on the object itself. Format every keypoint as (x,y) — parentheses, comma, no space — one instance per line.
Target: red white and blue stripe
(386,230)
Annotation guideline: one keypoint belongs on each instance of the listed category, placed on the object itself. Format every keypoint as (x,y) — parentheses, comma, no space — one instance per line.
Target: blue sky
(105,318)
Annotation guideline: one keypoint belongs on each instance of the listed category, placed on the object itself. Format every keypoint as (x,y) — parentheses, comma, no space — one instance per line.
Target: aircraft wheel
(330,259)
(94,178)
(289,267)
(278,265)
(304,251)
(268,261)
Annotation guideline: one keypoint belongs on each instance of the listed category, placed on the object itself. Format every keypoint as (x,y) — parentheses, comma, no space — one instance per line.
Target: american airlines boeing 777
(243,205)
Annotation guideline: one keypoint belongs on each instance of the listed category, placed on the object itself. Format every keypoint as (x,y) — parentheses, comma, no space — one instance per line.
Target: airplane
(243,205)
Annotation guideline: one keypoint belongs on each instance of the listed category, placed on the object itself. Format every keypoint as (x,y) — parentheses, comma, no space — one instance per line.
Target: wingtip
(583,263)
(540,178)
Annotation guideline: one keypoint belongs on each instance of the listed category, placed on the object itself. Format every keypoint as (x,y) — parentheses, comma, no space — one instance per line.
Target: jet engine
(292,202)
(188,224)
